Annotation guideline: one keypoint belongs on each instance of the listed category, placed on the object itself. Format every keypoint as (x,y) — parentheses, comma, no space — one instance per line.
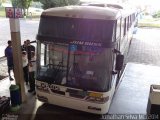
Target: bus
(80,55)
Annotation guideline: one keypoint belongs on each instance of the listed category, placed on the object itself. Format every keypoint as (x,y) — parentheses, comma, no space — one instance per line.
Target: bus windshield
(82,67)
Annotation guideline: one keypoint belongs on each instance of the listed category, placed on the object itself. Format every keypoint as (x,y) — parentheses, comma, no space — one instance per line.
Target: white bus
(79,56)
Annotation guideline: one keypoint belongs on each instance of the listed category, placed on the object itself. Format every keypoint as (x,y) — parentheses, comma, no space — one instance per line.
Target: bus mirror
(119,62)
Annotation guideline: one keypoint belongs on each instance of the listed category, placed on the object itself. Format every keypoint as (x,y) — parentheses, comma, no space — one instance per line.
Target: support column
(17,56)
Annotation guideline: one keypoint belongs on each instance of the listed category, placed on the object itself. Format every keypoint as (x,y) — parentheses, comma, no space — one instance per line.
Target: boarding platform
(132,94)
(130,98)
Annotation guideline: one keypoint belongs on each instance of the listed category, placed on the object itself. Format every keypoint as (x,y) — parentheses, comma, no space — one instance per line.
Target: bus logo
(54,87)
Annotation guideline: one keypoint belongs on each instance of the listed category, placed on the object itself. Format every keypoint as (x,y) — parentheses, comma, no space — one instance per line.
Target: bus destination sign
(86,43)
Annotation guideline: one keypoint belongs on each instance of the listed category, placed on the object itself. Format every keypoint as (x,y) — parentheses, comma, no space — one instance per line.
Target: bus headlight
(97,99)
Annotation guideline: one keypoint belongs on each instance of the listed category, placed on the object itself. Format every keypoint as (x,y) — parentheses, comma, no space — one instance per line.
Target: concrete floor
(133,92)
(130,98)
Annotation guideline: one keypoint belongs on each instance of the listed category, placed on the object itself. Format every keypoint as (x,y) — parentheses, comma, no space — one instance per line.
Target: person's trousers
(32,80)
(25,72)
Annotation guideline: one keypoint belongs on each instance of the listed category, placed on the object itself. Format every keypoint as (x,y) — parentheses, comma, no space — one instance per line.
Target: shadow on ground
(50,112)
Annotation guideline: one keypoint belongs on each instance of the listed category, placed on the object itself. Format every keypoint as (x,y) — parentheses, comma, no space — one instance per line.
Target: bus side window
(122,27)
(118,29)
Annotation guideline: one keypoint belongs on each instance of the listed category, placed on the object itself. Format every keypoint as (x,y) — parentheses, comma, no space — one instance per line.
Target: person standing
(24,46)
(32,69)
(9,55)
(25,66)
(29,48)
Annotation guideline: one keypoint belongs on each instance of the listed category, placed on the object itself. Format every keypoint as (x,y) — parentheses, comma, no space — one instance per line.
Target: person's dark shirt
(24,48)
(9,55)
(30,48)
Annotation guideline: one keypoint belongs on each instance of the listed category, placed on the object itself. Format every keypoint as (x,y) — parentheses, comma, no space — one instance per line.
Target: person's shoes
(30,90)
(11,78)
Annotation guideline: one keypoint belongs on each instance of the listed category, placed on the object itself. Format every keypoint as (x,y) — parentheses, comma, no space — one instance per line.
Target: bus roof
(100,4)
(88,12)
